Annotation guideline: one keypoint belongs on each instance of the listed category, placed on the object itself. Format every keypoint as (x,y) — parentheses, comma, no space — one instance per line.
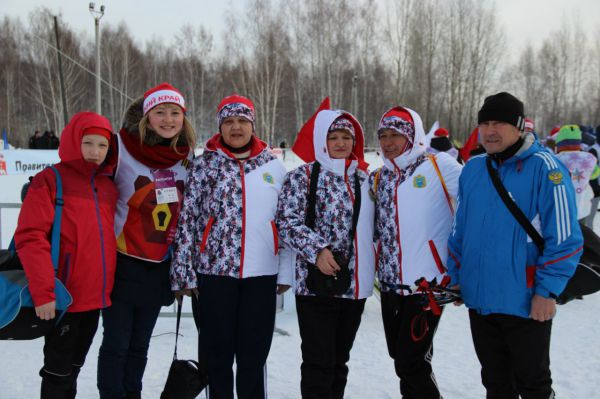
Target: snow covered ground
(575,357)
(575,352)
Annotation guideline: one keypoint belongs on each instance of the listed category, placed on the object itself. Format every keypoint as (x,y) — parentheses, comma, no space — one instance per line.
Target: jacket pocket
(436,257)
(530,275)
(275,237)
(206,233)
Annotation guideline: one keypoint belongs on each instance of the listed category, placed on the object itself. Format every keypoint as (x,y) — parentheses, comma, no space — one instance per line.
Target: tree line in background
(438,57)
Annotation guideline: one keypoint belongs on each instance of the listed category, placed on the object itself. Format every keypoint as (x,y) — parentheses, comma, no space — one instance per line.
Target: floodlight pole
(97,15)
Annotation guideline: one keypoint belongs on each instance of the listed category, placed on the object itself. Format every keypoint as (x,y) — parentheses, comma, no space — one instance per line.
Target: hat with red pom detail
(441,132)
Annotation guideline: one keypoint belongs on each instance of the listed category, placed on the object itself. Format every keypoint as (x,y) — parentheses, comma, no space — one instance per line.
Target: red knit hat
(441,132)
(98,131)
(163,93)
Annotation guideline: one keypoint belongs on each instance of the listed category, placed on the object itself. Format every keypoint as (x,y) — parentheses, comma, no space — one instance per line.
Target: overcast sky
(524,20)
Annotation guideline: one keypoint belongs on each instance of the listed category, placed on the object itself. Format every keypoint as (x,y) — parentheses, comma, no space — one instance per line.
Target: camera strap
(312,201)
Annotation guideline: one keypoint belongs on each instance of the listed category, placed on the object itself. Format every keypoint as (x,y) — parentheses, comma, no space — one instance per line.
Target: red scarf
(156,157)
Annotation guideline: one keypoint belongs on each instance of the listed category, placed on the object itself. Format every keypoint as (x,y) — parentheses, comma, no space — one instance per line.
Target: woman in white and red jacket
(329,320)
(87,247)
(227,250)
(154,152)
(414,193)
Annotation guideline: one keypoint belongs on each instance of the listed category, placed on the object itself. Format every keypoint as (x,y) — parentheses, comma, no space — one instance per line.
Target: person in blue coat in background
(509,286)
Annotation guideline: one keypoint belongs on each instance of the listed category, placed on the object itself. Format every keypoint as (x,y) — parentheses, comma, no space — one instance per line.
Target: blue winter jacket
(498,267)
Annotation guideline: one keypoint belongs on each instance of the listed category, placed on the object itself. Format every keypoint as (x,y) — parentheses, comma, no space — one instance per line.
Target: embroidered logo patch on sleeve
(419,181)
(268,178)
(555,177)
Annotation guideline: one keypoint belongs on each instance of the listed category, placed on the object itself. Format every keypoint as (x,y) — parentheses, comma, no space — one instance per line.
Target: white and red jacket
(227,223)
(414,214)
(333,212)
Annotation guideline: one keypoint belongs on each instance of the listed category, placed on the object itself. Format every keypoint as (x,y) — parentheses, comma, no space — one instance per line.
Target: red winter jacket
(87,240)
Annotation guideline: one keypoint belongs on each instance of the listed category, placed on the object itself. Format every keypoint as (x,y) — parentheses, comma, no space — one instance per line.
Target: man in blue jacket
(509,286)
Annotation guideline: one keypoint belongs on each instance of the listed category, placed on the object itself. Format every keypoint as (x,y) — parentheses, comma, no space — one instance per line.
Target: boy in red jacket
(87,247)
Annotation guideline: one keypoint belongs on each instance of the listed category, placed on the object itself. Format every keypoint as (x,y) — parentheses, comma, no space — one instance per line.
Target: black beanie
(502,107)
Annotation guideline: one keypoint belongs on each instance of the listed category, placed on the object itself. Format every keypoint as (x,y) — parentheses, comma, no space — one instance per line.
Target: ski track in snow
(575,355)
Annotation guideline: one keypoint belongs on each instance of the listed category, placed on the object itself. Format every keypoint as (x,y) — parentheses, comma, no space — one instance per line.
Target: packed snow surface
(575,350)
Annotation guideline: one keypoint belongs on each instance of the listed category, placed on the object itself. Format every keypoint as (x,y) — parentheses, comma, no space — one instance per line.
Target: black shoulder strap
(312,196)
(512,207)
(312,199)
(356,209)
(179,306)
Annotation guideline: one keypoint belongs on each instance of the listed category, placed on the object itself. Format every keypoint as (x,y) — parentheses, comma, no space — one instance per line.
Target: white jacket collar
(323,121)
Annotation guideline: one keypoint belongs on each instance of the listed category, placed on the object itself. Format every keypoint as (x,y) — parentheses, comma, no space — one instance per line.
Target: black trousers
(124,351)
(409,333)
(328,327)
(237,319)
(65,350)
(514,353)
(141,289)
(197,313)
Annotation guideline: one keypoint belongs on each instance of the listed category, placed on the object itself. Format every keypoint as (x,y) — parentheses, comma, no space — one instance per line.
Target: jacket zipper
(352,198)
(241,163)
(398,225)
(95,191)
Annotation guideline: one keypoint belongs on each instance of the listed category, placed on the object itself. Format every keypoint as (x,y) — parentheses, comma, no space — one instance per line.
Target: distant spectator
(588,138)
(41,142)
(53,141)
(440,142)
(283,146)
(581,165)
(34,139)
(594,183)
(529,126)
(48,141)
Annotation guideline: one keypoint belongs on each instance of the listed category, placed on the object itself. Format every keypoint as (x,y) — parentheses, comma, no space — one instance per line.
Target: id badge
(164,186)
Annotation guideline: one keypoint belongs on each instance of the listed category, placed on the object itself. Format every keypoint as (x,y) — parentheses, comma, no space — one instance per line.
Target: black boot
(55,387)
(73,390)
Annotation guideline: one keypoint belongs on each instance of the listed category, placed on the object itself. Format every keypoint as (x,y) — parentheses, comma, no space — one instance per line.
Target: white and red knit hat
(163,93)
(235,105)
(342,123)
(400,121)
(529,125)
